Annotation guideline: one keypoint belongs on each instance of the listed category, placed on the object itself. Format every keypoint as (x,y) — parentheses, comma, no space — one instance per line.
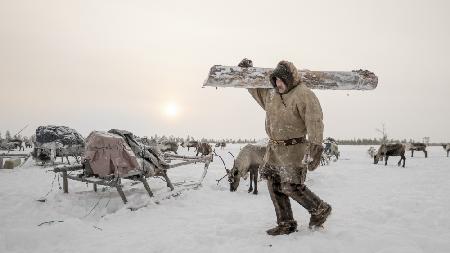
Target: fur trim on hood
(288,73)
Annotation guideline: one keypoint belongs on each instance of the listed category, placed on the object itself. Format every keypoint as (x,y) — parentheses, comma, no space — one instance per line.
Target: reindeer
(386,150)
(16,143)
(20,145)
(44,154)
(417,146)
(168,146)
(446,148)
(222,145)
(190,144)
(331,149)
(70,150)
(28,144)
(203,148)
(248,160)
(48,152)
(372,151)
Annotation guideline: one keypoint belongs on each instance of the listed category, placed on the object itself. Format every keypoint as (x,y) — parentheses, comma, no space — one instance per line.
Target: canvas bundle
(62,134)
(118,153)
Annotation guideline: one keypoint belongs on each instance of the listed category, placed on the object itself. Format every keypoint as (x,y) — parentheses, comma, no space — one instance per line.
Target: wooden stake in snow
(233,76)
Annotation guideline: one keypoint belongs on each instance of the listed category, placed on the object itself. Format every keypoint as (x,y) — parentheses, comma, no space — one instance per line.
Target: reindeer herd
(399,149)
(251,157)
(247,162)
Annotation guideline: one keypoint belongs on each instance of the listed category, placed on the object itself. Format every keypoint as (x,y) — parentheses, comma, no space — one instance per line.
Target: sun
(171,110)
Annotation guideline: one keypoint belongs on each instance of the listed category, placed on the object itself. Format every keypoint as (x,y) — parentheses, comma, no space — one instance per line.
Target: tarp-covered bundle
(119,153)
(108,154)
(53,141)
(62,134)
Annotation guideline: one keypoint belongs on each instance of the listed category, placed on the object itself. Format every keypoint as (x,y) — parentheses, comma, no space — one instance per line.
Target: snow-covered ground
(376,208)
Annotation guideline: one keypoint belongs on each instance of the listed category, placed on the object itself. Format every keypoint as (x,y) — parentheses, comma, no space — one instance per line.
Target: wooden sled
(139,177)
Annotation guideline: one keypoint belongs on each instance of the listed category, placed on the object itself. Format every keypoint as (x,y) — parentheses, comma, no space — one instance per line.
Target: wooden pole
(122,195)
(169,183)
(205,170)
(65,182)
(147,187)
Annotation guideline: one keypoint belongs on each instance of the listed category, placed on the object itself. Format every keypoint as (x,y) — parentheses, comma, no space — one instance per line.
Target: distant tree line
(239,141)
(7,135)
(364,141)
(209,140)
(375,141)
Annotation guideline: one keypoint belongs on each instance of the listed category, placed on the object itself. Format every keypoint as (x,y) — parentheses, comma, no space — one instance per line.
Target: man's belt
(288,142)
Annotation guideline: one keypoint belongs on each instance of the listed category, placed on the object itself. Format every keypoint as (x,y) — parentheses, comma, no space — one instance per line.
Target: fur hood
(287,72)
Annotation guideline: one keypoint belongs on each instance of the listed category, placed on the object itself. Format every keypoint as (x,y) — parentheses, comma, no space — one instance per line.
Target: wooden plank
(14,155)
(191,160)
(233,76)
(181,157)
(92,181)
(180,164)
(66,168)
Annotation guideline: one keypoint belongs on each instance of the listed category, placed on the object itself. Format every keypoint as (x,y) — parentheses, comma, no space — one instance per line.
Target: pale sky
(140,65)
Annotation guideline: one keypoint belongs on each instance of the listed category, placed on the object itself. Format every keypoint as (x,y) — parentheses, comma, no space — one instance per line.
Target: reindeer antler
(222,161)
(226,170)
(218,180)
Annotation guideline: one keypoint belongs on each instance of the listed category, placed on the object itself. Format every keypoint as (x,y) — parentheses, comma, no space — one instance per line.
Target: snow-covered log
(233,76)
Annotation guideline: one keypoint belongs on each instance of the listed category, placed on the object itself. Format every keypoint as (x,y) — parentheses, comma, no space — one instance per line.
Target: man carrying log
(292,112)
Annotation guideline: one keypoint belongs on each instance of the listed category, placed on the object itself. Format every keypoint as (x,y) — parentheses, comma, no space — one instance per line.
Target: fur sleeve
(311,112)
(260,96)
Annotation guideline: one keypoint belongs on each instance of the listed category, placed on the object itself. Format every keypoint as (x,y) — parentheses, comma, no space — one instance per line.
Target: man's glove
(315,151)
(245,63)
